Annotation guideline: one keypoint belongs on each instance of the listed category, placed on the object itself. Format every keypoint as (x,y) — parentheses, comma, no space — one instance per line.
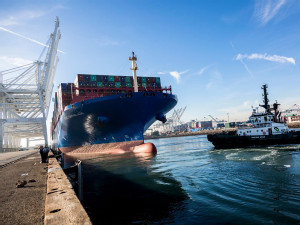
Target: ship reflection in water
(123,189)
(188,182)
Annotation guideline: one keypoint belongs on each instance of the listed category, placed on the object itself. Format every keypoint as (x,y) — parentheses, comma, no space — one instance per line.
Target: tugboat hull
(225,141)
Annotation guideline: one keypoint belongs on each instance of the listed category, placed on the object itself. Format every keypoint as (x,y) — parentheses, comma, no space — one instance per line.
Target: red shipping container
(139,79)
(117,78)
(80,77)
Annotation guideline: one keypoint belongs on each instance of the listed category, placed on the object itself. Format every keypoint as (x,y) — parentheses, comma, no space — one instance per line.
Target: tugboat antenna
(266,100)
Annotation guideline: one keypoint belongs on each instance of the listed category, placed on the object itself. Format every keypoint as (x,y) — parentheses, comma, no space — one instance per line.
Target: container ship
(108,113)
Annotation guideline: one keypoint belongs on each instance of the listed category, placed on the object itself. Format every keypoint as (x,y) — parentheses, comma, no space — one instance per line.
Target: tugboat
(265,129)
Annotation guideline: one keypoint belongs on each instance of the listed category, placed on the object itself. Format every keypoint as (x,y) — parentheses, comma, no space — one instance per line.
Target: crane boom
(213,118)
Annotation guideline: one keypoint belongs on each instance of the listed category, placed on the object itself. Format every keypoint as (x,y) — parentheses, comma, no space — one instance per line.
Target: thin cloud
(246,67)
(162,73)
(30,14)
(203,70)
(241,111)
(217,75)
(272,58)
(242,62)
(17,18)
(216,79)
(265,11)
(21,17)
(175,74)
(16,61)
(209,85)
(27,38)
(9,21)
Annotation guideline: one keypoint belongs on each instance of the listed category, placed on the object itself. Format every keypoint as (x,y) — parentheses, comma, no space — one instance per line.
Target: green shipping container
(128,84)
(93,78)
(118,84)
(157,79)
(144,85)
(230,125)
(144,80)
(127,79)
(111,78)
(100,84)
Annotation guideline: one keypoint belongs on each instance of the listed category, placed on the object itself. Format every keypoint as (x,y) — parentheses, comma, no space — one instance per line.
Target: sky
(216,55)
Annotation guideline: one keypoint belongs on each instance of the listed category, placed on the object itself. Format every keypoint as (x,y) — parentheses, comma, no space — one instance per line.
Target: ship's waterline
(111,148)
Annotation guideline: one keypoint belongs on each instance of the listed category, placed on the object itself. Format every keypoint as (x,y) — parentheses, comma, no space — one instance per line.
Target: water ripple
(188,182)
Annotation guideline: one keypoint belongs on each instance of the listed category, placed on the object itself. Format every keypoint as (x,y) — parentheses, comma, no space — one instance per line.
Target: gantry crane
(25,96)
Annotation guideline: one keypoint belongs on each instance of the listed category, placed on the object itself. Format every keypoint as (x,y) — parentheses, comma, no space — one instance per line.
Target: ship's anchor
(162,118)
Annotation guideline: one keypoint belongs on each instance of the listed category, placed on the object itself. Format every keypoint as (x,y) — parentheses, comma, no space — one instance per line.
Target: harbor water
(188,182)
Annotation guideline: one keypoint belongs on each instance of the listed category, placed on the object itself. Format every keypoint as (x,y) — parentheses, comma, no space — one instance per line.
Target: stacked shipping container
(64,95)
(108,81)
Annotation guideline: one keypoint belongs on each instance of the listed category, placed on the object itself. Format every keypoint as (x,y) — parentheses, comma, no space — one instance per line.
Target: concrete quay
(22,205)
(47,198)
(9,157)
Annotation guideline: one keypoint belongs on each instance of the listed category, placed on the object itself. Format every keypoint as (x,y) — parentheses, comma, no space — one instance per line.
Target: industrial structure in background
(204,124)
(292,115)
(25,97)
(175,125)
(169,126)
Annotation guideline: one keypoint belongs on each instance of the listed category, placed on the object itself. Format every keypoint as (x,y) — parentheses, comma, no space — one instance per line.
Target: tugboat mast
(134,69)
(266,100)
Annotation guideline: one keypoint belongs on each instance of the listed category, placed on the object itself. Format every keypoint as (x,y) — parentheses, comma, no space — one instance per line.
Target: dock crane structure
(213,118)
(172,121)
(216,119)
(293,109)
(25,97)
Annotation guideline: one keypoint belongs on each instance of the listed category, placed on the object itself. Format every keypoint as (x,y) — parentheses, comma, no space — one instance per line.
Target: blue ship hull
(109,121)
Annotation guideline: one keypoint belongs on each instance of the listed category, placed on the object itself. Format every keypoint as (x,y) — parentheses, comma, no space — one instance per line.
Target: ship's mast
(266,100)
(134,69)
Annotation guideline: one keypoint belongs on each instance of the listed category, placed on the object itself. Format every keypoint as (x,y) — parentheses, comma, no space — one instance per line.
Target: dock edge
(62,205)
